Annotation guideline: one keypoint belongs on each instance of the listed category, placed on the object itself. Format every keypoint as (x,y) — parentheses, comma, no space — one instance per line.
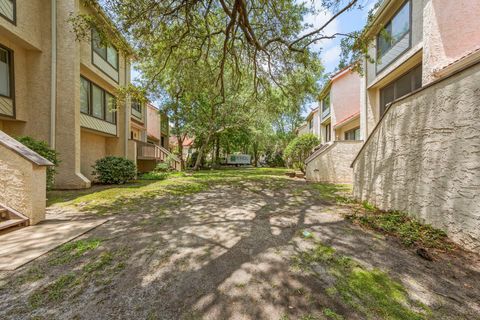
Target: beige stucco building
(338,130)
(62,90)
(420,110)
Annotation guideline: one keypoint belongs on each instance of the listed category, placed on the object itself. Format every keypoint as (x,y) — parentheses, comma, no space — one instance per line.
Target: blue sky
(330,49)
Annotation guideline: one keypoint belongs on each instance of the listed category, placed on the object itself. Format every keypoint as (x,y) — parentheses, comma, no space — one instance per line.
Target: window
(328,133)
(5,73)
(97,102)
(353,134)
(326,105)
(310,124)
(84,95)
(110,107)
(8,10)
(394,38)
(107,52)
(400,87)
(137,106)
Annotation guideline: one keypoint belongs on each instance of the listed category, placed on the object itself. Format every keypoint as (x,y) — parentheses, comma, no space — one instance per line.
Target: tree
(299,149)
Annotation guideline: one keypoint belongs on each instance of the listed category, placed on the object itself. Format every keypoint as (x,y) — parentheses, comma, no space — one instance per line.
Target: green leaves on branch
(299,149)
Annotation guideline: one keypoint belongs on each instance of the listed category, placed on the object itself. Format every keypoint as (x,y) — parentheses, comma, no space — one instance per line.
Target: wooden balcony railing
(148,151)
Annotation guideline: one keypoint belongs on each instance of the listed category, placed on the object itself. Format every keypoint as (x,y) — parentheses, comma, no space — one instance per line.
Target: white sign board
(238,159)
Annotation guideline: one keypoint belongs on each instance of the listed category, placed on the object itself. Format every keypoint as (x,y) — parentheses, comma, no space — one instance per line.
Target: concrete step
(11,223)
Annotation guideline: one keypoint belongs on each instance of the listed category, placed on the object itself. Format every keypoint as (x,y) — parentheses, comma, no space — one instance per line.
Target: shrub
(162,167)
(274,159)
(114,170)
(43,149)
(154,175)
(299,149)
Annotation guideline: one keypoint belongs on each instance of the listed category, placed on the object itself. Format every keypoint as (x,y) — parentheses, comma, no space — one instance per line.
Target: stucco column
(67,131)
(363,104)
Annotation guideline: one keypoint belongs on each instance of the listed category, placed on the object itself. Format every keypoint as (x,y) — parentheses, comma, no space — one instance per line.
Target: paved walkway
(26,244)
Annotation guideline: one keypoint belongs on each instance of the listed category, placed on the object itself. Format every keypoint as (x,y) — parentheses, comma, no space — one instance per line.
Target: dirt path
(267,248)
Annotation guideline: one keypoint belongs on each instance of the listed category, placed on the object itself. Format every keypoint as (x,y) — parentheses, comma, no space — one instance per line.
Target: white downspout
(127,109)
(53,86)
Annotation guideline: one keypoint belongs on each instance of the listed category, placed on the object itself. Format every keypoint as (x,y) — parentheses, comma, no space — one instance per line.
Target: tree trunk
(255,155)
(201,150)
(180,152)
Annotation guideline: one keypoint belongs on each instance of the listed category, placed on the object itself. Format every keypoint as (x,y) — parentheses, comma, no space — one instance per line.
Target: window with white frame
(353,134)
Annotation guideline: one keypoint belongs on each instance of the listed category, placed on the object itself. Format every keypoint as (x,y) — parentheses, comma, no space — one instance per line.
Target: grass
(330,314)
(370,292)
(73,250)
(113,199)
(410,231)
(100,271)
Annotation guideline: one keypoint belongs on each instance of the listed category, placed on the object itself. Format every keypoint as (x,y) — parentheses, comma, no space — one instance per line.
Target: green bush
(154,175)
(299,149)
(162,167)
(43,149)
(114,170)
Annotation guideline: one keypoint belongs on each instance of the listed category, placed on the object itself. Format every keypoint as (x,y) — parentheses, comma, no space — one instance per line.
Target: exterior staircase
(148,151)
(10,218)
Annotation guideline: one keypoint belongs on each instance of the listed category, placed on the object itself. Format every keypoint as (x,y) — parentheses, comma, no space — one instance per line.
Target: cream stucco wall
(22,185)
(424,158)
(332,164)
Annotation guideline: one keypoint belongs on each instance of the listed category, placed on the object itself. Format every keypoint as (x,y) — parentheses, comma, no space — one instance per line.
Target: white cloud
(331,56)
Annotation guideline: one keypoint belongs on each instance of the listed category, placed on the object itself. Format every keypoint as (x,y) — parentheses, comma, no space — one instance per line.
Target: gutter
(53,85)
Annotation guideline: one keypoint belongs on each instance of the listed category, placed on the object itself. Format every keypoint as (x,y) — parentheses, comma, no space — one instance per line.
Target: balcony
(148,151)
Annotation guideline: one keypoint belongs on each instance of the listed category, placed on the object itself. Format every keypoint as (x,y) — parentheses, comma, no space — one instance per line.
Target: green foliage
(371,292)
(299,149)
(114,170)
(162,167)
(274,160)
(409,230)
(73,250)
(43,149)
(154,175)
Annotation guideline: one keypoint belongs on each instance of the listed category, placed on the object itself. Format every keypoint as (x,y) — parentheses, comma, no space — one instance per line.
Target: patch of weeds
(33,274)
(104,260)
(53,292)
(284,317)
(240,285)
(332,314)
(336,193)
(370,292)
(73,250)
(308,317)
(154,176)
(409,230)
(368,206)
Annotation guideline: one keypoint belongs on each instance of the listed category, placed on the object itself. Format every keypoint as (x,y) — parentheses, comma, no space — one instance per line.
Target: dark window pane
(84,95)
(4,73)
(112,56)
(98,47)
(403,85)
(387,95)
(110,108)
(98,102)
(417,78)
(401,23)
